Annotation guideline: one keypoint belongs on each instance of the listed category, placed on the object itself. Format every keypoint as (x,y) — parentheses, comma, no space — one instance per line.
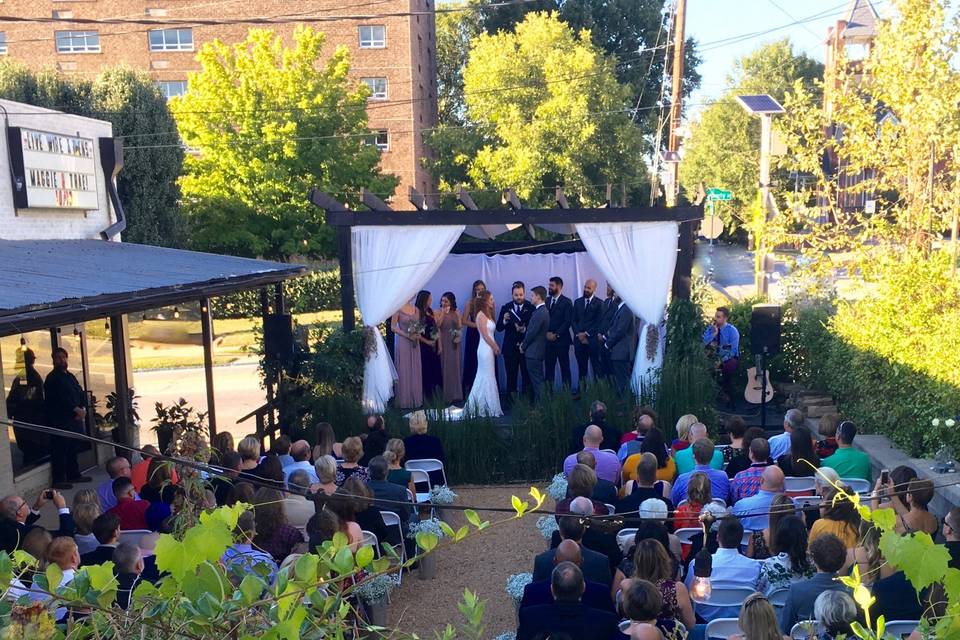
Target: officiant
(512,322)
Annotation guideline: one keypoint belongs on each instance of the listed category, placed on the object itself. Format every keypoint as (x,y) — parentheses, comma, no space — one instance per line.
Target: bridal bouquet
(456,333)
(415,328)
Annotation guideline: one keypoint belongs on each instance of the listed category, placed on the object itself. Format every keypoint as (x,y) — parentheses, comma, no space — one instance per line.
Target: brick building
(394,54)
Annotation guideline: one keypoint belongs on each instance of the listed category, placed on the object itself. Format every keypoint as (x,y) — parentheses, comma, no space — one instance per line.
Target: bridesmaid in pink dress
(406,357)
(449,320)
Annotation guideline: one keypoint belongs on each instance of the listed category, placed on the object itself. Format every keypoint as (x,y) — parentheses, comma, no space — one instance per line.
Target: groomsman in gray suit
(534,345)
(618,343)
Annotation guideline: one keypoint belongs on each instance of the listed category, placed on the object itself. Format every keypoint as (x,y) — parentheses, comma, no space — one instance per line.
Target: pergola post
(122,381)
(206,329)
(686,249)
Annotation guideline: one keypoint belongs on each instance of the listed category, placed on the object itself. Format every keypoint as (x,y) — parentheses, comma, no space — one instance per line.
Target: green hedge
(318,291)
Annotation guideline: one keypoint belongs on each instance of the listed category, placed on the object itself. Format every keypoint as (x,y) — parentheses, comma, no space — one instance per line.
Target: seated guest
(685,460)
(159,486)
(326,468)
(281,449)
(116,467)
(241,557)
(684,423)
(354,503)
(421,446)
(868,556)
(17,518)
(802,461)
(598,417)
(829,555)
(595,595)
(132,512)
(703,453)
(834,612)
(386,493)
(747,482)
(762,543)
(604,491)
(271,471)
(274,534)
(240,492)
(644,488)
(594,537)
(35,543)
(249,450)
(951,533)
(757,620)
(911,507)
(838,517)
(849,462)
(297,507)
(220,444)
(300,456)
(83,516)
(106,528)
(127,566)
(580,483)
(652,443)
(736,428)
(322,527)
(567,615)
(148,546)
(62,551)
(375,440)
(352,452)
(595,565)
(791,564)
(630,442)
(730,568)
(641,603)
(327,444)
(230,463)
(395,455)
(827,429)
(897,599)
(780,443)
(699,494)
(607,467)
(140,473)
(754,511)
(743,462)
(651,562)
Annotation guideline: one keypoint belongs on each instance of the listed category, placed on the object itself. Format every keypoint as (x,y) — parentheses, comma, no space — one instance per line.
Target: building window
(172,89)
(377,86)
(373,36)
(3,43)
(171,40)
(380,139)
(78,41)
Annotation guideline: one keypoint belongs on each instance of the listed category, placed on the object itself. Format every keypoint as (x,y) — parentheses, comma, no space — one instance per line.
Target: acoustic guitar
(759,390)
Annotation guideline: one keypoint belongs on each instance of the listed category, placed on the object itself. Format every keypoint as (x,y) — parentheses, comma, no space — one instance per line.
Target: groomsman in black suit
(558,333)
(534,345)
(608,308)
(587,311)
(619,344)
(512,321)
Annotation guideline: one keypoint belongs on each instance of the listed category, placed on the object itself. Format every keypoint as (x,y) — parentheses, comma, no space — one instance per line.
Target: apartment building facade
(392,46)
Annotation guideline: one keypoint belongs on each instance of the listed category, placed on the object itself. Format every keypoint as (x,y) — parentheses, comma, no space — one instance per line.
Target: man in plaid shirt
(747,483)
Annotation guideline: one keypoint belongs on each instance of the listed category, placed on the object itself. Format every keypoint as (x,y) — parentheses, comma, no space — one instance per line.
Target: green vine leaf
(343,561)
(884,519)
(426,540)
(923,561)
(472,517)
(364,556)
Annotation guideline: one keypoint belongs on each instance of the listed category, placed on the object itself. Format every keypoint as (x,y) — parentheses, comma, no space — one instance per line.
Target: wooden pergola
(380,214)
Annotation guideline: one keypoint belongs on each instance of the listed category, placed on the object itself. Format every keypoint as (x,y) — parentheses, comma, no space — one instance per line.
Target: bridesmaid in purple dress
(449,321)
(429,346)
(471,336)
(406,357)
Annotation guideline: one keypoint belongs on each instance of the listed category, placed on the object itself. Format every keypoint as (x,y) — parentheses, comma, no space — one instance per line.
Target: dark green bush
(318,291)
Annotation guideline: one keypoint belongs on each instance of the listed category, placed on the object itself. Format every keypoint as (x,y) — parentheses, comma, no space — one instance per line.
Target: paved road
(731,268)
(237,388)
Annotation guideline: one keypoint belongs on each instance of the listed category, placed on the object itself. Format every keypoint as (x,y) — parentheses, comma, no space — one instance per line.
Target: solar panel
(758,104)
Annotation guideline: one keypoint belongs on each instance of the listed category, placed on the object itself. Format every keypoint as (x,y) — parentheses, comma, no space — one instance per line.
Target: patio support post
(206,326)
(119,336)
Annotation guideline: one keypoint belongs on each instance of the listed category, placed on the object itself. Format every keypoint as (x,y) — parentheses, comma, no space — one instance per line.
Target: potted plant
(515,586)
(558,487)
(440,496)
(112,416)
(375,595)
(546,525)
(427,561)
(180,418)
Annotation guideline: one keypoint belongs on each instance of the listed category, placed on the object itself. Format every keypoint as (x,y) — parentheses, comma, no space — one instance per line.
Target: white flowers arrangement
(949,422)
(441,494)
(376,589)
(558,487)
(516,584)
(507,635)
(430,525)
(547,525)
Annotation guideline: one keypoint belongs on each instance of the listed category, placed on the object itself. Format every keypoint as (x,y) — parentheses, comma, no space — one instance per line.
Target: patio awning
(45,283)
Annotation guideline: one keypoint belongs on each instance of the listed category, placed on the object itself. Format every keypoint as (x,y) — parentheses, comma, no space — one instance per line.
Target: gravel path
(481,564)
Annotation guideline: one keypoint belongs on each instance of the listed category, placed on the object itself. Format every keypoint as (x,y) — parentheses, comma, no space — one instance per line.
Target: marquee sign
(52,170)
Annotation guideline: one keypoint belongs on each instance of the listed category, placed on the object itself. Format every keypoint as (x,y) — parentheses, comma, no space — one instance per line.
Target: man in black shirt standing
(587,312)
(66,409)
(25,403)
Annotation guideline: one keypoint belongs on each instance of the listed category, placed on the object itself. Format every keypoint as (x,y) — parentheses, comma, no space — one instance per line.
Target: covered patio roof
(49,282)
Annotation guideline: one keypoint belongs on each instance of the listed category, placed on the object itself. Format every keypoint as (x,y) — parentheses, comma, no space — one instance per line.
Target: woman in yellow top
(840,518)
(652,443)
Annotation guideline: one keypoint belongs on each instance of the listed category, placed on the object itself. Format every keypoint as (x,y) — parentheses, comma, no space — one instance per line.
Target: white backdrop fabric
(390,265)
(638,259)
(499,272)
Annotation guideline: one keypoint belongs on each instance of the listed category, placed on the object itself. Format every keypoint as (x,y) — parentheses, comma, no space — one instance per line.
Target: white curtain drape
(390,265)
(637,259)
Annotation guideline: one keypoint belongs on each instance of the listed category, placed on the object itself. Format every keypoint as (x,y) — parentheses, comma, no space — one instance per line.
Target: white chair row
(686,535)
(718,501)
(428,465)
(807,486)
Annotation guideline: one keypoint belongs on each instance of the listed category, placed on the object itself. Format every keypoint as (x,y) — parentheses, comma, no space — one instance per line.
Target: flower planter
(428,567)
(378,613)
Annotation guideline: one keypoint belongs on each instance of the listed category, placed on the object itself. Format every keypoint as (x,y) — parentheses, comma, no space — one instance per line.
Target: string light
(176,313)
(23,341)
(106,325)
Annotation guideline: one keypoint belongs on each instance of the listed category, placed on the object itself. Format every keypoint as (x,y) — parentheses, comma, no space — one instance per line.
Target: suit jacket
(611,436)
(103,553)
(595,566)
(12,533)
(535,340)
(603,543)
(605,491)
(561,315)
(619,341)
(511,338)
(386,490)
(595,595)
(586,317)
(571,619)
(607,309)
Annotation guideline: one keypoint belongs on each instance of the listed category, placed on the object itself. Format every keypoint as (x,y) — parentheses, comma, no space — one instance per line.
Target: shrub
(318,291)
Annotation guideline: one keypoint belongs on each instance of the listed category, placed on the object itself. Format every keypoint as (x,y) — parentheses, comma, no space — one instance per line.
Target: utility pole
(676,98)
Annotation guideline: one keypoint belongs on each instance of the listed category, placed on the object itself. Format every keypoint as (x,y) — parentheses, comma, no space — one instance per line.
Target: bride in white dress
(484,398)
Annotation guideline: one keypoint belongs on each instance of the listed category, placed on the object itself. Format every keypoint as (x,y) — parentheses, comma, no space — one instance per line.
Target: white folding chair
(686,535)
(370,540)
(428,465)
(806,630)
(720,501)
(901,628)
(778,597)
(610,508)
(857,484)
(391,519)
(745,539)
(722,628)
(794,487)
(133,535)
(726,596)
(625,539)
(421,497)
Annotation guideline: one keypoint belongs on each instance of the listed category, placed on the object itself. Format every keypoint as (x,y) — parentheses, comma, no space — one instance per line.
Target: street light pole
(676,100)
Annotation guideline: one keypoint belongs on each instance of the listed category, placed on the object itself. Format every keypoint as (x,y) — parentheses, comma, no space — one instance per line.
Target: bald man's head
(581,506)
(772,479)
(589,288)
(300,451)
(568,551)
(698,431)
(593,437)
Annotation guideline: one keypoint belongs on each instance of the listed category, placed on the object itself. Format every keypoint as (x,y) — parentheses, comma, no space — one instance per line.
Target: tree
(550,112)
(455,31)
(131,102)
(284,121)
(723,149)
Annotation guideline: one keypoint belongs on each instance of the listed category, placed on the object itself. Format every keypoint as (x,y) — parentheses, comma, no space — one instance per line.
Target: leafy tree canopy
(267,124)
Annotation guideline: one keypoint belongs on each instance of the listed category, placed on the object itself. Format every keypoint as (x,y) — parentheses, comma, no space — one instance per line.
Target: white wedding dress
(484,398)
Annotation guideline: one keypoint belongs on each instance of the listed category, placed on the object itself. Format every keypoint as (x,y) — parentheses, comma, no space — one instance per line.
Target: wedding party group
(452,353)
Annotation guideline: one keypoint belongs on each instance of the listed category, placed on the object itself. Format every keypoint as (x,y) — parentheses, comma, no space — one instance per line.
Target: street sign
(711,227)
(719,194)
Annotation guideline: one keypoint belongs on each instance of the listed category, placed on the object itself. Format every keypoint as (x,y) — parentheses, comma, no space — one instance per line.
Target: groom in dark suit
(534,345)
(558,336)
(586,323)
(619,344)
(512,321)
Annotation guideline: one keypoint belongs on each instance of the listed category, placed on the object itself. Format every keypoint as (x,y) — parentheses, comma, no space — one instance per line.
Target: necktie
(516,309)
